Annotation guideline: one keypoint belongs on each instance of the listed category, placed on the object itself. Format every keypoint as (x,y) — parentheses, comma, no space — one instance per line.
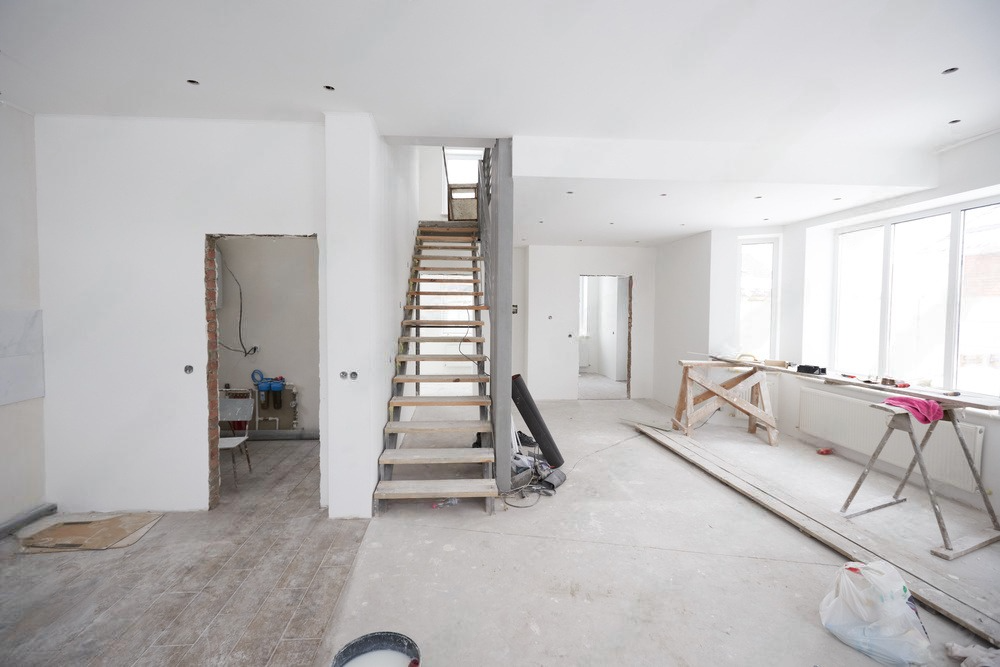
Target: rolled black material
(533,419)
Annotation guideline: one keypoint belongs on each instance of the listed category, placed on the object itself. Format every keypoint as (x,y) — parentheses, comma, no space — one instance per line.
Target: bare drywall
(124,206)
(682,309)
(607,326)
(432,186)
(22,471)
(279,281)
(371,218)
(520,318)
(552,353)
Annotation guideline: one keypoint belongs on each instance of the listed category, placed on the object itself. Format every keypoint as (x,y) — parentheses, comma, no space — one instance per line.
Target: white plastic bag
(867,609)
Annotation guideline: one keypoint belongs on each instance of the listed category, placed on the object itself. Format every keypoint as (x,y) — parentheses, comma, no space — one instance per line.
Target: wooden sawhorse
(699,397)
(900,420)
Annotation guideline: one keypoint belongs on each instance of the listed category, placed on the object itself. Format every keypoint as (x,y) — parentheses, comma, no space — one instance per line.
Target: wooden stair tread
(454,426)
(437,455)
(468,238)
(448,258)
(436,488)
(453,281)
(441,378)
(421,293)
(470,246)
(445,269)
(470,306)
(444,401)
(440,357)
(424,227)
(443,324)
(442,339)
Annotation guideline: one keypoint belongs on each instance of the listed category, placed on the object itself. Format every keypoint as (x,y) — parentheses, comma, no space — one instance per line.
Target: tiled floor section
(253,582)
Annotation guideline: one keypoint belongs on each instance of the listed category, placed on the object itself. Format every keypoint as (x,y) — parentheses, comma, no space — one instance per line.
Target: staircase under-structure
(446,451)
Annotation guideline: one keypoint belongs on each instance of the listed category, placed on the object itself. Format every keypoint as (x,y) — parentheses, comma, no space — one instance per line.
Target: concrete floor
(639,559)
(594,386)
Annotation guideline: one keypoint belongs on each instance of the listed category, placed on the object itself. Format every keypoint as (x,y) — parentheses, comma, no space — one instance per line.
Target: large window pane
(979,322)
(756,303)
(918,300)
(859,301)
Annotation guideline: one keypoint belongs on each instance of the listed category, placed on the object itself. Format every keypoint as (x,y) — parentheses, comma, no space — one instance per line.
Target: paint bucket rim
(376,641)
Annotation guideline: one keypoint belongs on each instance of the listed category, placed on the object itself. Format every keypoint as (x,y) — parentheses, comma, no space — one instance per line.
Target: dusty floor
(593,386)
(639,559)
(252,582)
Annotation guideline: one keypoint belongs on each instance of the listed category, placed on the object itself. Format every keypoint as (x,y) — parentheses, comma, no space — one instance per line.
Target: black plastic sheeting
(533,420)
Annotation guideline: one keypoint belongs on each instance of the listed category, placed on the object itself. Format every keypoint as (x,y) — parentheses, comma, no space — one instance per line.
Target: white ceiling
(783,75)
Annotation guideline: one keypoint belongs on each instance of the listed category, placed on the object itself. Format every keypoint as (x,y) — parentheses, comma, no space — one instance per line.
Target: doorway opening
(605,338)
(262,314)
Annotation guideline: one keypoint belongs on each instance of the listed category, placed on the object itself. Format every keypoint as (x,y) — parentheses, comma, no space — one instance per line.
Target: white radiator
(854,424)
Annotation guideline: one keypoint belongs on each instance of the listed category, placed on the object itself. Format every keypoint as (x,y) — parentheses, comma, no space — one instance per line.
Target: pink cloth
(924,409)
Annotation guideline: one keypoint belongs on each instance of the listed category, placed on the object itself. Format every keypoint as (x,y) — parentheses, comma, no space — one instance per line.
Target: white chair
(236,407)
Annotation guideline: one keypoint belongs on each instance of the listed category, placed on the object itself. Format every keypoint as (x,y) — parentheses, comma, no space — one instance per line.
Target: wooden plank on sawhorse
(695,405)
(900,420)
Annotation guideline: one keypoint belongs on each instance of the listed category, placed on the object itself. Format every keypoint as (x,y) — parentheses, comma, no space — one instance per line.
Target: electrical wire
(244,350)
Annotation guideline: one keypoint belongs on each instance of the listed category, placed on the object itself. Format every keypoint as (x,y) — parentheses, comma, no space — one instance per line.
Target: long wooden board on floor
(931,588)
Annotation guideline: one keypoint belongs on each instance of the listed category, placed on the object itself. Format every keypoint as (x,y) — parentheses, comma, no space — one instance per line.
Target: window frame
(956,212)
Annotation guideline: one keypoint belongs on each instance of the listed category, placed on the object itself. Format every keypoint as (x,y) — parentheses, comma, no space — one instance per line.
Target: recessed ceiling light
(953,122)
(759,197)
(636,241)
(611,223)
(580,240)
(540,221)
(662,194)
(193,82)
(329,88)
(950,70)
(569,192)
(837,198)
(766,219)
(682,224)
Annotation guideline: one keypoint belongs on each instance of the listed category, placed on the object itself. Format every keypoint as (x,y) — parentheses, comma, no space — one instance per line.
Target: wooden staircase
(441,369)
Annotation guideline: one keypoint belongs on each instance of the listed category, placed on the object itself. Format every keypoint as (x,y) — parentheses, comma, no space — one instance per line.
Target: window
(757,290)
(979,306)
(919,300)
(859,300)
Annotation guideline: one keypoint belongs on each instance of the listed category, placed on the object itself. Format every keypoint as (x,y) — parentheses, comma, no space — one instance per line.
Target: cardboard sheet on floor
(90,533)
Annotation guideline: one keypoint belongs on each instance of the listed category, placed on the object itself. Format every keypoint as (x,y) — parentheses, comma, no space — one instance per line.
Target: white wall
(519,319)
(371,217)
(682,310)
(607,325)
(590,345)
(124,205)
(280,281)
(552,356)
(622,340)
(22,457)
(432,188)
